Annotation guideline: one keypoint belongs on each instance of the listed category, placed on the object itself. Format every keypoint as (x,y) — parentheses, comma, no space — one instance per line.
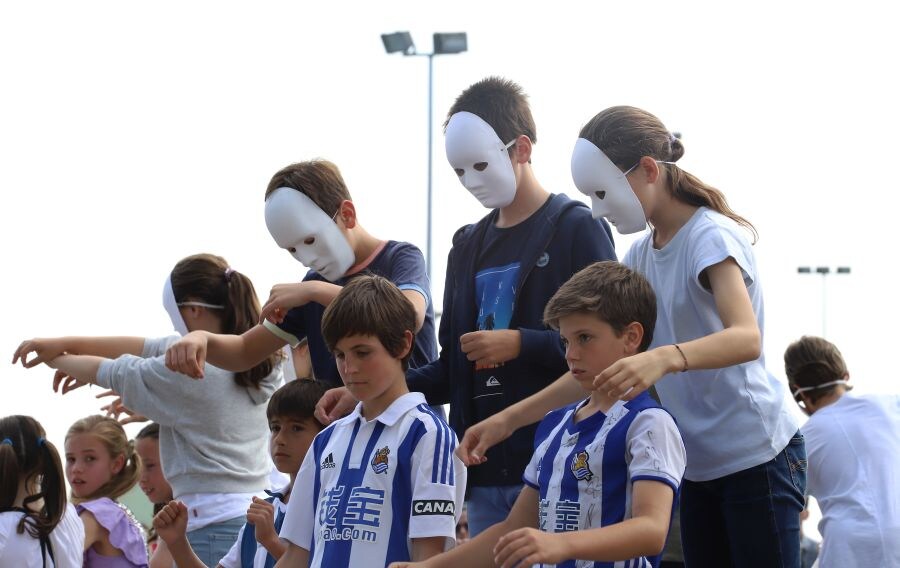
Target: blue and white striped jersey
(366,488)
(583,471)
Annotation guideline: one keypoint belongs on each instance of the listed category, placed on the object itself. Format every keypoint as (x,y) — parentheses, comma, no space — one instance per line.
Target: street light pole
(444,43)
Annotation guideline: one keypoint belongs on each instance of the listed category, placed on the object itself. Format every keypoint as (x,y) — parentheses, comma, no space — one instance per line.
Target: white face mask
(308,233)
(611,195)
(480,159)
(171,306)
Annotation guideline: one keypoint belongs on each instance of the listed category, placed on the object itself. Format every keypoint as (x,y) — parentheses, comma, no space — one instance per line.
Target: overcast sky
(134,134)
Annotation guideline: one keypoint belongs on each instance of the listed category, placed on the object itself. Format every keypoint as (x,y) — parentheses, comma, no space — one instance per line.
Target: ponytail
(26,455)
(209,279)
(626,134)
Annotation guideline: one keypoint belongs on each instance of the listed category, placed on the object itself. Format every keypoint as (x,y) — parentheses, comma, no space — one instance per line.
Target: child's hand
(116,409)
(479,438)
(171,522)
(63,382)
(335,403)
(491,348)
(262,516)
(282,298)
(630,376)
(188,355)
(44,350)
(525,547)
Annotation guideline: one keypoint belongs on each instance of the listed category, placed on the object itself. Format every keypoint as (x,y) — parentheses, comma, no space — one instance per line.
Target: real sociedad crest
(581,469)
(380,461)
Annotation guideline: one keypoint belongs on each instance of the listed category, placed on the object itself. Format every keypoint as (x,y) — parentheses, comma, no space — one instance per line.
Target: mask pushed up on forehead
(480,159)
(611,195)
(296,222)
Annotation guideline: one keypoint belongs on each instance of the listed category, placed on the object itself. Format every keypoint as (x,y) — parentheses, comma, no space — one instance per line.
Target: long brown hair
(208,278)
(626,134)
(26,454)
(112,436)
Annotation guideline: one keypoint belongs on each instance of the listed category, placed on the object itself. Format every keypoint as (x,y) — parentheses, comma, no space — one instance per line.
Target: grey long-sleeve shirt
(213,433)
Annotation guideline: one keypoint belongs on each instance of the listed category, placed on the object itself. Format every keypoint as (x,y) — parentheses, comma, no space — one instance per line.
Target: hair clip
(40,442)
(228,272)
(6,441)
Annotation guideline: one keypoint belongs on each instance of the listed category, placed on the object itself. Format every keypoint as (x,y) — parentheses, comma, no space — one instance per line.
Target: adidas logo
(493,382)
(328,462)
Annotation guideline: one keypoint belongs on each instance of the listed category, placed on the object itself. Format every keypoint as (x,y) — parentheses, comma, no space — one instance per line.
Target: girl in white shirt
(746,463)
(38,527)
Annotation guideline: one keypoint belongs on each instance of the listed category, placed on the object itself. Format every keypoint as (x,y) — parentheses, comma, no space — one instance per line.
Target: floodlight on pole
(823,271)
(444,44)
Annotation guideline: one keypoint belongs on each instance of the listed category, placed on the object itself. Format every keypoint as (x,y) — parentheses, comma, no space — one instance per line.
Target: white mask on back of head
(171,306)
(296,222)
(611,195)
(480,159)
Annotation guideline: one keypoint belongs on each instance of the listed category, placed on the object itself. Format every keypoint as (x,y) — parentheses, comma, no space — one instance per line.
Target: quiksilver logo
(328,462)
(434,507)
(492,382)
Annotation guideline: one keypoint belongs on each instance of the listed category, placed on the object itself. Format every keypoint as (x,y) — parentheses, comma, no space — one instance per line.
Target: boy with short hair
(293,427)
(501,271)
(309,213)
(604,473)
(853,452)
(382,484)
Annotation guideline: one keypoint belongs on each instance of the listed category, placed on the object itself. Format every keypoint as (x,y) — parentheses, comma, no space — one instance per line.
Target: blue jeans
(747,519)
(212,542)
(488,506)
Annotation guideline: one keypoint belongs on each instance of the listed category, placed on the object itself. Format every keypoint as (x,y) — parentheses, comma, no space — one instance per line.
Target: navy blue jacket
(565,239)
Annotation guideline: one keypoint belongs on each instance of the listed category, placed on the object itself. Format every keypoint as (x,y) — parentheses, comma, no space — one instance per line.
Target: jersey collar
(395,411)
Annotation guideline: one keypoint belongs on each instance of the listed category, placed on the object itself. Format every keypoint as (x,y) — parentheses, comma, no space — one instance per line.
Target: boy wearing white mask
(309,213)
(501,271)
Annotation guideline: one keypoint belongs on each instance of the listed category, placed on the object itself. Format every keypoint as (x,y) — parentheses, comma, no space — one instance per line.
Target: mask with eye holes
(480,159)
(308,233)
(611,195)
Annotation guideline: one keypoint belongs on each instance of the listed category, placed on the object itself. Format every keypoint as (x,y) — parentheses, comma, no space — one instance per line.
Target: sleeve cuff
(659,478)
(104,373)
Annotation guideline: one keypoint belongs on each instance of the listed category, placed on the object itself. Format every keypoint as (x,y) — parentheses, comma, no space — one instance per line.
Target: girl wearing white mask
(210,431)
(746,462)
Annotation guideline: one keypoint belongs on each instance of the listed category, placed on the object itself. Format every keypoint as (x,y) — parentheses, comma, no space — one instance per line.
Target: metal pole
(430,141)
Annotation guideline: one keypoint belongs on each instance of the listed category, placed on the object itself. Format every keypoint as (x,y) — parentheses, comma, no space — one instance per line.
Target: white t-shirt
(233,558)
(366,488)
(853,449)
(23,551)
(732,418)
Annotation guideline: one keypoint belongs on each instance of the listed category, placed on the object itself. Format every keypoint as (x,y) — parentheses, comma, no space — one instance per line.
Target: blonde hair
(113,437)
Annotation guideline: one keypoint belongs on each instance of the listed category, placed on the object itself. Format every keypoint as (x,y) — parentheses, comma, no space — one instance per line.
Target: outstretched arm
(50,348)
(491,431)
(230,352)
(738,342)
(479,552)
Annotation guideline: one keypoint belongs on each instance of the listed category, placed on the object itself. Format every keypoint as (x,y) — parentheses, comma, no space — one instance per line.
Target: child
(381,484)
(154,485)
(38,527)
(210,431)
(605,473)
(293,427)
(853,445)
(101,466)
(310,214)
(495,349)
(745,477)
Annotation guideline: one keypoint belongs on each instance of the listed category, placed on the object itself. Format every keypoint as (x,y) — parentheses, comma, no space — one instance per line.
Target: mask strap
(822,386)
(201,305)
(507,147)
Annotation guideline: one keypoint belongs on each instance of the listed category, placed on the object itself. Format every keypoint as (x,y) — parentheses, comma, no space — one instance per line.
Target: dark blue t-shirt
(401,263)
(497,276)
